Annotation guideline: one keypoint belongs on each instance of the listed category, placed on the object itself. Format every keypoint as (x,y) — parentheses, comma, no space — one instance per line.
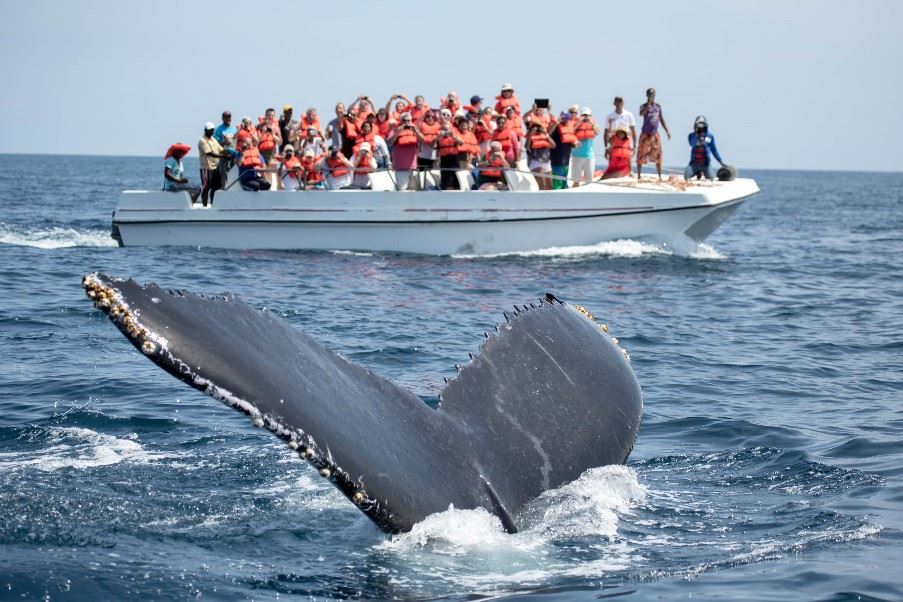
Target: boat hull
(437,223)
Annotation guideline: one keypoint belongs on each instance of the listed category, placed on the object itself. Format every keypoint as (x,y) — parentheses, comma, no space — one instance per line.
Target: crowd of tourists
(411,137)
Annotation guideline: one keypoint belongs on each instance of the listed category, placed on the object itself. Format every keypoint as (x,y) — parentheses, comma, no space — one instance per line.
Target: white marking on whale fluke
(546,467)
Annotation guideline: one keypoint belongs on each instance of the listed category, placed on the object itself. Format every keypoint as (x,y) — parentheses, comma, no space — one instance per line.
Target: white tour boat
(522,218)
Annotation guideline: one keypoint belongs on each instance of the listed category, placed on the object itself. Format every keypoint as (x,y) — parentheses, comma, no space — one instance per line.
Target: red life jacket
(621,149)
(292,166)
(566,133)
(503,137)
(481,131)
(371,137)
(540,119)
(307,123)
(538,140)
(495,168)
(267,142)
(503,103)
(699,155)
(428,131)
(406,137)
(244,134)
(585,130)
(383,127)
(470,143)
(447,145)
(312,175)
(336,166)
(516,126)
(349,130)
(251,158)
(363,167)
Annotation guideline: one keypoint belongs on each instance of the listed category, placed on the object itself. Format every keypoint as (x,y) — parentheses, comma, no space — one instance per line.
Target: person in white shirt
(620,116)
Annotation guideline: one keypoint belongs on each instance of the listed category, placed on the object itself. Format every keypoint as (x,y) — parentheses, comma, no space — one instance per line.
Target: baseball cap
(475,99)
(209,126)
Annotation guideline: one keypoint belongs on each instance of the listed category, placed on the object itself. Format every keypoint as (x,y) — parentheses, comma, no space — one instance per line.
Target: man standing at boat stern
(650,146)
(210,152)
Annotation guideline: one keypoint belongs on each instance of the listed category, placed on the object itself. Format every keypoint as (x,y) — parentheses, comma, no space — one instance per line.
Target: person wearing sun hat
(505,99)
(174,179)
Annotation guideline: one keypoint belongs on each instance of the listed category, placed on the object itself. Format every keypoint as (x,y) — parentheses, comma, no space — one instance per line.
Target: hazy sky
(784,83)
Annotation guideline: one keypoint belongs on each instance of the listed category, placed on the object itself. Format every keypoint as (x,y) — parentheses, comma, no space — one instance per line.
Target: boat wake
(617,248)
(54,238)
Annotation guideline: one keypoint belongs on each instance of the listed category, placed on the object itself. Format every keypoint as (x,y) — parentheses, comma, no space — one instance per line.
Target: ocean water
(769,464)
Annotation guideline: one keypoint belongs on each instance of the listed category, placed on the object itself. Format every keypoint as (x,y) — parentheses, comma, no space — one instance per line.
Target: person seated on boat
(404,141)
(363,163)
(338,170)
(619,153)
(447,143)
(583,157)
(702,148)
(313,142)
(250,166)
(492,175)
(225,128)
(174,179)
(562,133)
(505,99)
(291,172)
(507,138)
(313,173)
(539,149)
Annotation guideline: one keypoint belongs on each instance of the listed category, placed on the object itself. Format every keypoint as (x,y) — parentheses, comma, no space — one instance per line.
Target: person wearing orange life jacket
(619,153)
(451,102)
(417,109)
(250,165)
(429,131)
(583,157)
(378,148)
(313,142)
(539,149)
(540,115)
(507,138)
(469,151)
(267,143)
(313,171)
(384,123)
(447,144)
(492,175)
(404,142)
(516,125)
(310,119)
(290,170)
(482,129)
(363,163)
(507,99)
(562,133)
(247,131)
(338,170)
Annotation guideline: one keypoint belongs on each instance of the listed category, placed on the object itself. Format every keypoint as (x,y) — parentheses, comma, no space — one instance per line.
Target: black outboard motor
(727,173)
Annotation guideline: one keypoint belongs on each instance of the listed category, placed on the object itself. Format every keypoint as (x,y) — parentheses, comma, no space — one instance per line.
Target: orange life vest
(621,149)
(470,143)
(406,137)
(245,134)
(566,132)
(585,130)
(336,166)
(251,158)
(361,168)
(538,140)
(516,126)
(503,137)
(383,127)
(495,168)
(416,114)
(503,103)
(292,166)
(482,131)
(429,131)
(349,129)
(308,123)
(540,119)
(447,145)
(312,175)
(267,142)
(371,137)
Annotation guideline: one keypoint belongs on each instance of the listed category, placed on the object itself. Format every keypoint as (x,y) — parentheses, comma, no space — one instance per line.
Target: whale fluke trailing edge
(549,396)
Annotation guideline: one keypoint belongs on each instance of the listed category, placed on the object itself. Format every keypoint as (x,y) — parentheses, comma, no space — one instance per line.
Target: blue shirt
(222,130)
(710,148)
(584,149)
(175,170)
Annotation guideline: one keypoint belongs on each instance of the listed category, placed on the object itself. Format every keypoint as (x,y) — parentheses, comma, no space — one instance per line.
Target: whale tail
(549,396)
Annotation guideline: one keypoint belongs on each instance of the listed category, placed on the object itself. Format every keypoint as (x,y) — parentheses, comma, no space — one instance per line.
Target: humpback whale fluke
(547,397)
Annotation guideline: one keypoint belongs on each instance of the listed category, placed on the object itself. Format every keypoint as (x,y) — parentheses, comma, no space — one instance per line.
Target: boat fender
(727,173)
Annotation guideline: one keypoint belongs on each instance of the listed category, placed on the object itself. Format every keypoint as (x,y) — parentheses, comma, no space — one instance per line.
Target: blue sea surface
(769,464)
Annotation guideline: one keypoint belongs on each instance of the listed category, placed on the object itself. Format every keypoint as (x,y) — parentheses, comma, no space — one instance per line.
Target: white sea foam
(552,525)
(80,448)
(54,238)
(615,248)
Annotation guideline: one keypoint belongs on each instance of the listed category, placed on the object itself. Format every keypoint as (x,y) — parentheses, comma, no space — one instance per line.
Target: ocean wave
(54,238)
(79,448)
(684,247)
